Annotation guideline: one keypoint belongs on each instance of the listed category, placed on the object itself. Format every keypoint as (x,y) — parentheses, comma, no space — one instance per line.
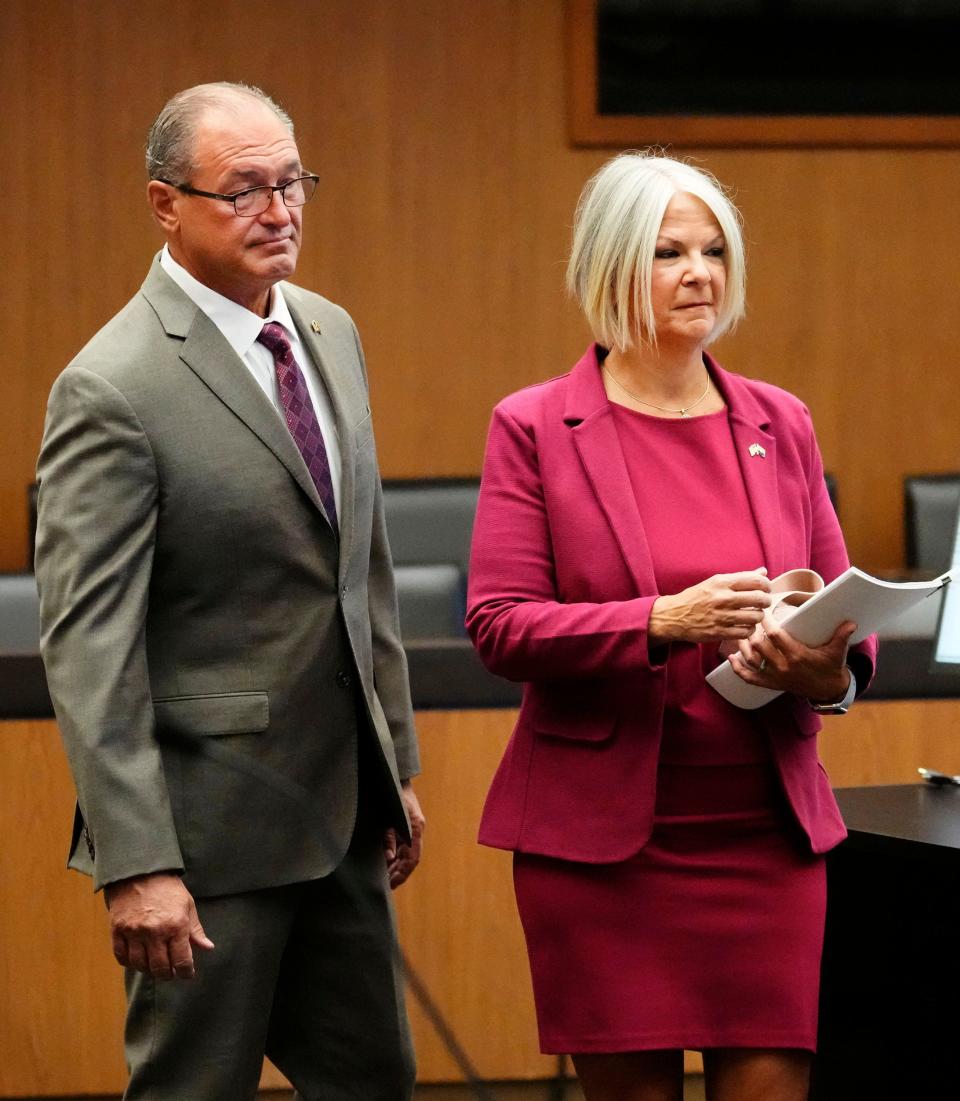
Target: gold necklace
(684,412)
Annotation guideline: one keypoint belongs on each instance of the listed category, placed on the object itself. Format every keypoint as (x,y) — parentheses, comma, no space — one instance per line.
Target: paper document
(854,595)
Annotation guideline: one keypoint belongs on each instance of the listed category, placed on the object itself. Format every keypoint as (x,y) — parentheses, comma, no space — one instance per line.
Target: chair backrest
(430,520)
(432,601)
(19,614)
(429,525)
(931,503)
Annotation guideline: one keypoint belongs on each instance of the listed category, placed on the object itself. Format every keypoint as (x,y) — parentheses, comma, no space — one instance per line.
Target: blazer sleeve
(391,677)
(828,554)
(520,627)
(97,512)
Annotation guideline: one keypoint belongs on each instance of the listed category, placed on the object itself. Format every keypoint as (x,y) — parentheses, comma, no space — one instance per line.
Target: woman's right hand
(725,606)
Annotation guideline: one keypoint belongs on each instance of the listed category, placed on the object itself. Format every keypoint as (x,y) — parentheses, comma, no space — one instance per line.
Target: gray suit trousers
(306,973)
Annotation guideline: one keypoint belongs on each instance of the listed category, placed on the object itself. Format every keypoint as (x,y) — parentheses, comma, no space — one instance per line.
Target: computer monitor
(946,645)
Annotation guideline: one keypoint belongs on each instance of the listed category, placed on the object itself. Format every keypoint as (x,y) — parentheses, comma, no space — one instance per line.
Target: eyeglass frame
(188,190)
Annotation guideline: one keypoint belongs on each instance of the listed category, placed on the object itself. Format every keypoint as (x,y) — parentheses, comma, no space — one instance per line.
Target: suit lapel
(595,437)
(206,352)
(756,451)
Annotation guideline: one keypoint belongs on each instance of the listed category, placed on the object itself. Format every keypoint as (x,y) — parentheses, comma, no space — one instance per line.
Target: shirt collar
(240,326)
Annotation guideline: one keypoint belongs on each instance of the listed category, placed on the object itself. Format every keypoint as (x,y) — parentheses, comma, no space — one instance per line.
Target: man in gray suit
(220,634)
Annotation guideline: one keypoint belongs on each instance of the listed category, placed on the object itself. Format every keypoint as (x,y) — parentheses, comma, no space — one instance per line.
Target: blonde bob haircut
(614,239)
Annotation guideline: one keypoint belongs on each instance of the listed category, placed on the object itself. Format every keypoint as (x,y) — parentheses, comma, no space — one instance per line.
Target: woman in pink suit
(669,846)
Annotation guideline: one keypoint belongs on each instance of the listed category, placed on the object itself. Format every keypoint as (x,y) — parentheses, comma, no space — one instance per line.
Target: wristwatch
(841,707)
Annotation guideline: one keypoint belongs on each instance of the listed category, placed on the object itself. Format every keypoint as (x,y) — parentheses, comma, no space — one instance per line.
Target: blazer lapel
(595,437)
(587,412)
(210,357)
(756,451)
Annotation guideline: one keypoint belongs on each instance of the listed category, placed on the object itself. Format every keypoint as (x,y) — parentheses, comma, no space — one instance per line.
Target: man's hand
(154,925)
(402,857)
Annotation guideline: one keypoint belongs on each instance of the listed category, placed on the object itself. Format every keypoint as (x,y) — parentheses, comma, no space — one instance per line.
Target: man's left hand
(402,856)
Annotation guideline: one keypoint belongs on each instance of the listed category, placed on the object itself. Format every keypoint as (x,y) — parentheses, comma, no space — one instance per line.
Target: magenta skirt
(710,937)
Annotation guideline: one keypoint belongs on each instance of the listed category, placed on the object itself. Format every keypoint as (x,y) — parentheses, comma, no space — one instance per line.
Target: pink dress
(711,935)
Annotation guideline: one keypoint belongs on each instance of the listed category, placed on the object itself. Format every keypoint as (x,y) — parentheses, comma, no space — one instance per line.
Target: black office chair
(19,614)
(429,525)
(931,503)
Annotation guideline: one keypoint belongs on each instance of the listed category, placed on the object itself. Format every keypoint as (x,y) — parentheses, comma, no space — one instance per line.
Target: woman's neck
(665,376)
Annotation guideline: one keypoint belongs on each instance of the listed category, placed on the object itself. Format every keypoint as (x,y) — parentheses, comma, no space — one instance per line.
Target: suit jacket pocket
(220,713)
(579,724)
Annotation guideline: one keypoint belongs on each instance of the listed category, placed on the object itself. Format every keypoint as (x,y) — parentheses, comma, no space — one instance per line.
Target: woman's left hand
(773,658)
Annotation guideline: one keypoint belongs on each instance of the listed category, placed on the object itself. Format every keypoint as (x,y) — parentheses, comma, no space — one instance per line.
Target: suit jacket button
(344,679)
(343,591)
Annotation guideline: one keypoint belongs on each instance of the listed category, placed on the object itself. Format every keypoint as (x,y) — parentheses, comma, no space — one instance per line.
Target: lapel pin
(315,325)
(756,449)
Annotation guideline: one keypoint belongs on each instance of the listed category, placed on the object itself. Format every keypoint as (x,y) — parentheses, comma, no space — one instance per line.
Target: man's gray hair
(171,139)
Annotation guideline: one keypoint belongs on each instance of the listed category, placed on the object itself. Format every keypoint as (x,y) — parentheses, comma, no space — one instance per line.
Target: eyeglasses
(255,200)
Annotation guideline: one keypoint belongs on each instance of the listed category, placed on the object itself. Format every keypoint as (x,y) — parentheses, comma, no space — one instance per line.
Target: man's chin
(278,267)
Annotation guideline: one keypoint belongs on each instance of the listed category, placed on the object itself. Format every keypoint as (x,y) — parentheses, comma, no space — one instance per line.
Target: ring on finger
(762,665)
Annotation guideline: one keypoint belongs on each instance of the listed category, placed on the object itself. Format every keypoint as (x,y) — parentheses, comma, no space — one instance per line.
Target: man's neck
(255,300)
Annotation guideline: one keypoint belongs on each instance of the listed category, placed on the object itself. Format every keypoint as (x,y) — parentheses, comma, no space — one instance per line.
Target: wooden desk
(889,1013)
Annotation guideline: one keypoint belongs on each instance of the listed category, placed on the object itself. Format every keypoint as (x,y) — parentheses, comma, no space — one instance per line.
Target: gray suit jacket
(215,654)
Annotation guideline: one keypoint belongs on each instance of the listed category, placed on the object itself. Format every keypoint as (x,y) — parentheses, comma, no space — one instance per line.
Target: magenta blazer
(561,586)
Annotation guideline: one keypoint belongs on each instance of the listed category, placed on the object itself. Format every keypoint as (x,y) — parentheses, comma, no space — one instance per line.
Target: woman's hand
(773,658)
(725,606)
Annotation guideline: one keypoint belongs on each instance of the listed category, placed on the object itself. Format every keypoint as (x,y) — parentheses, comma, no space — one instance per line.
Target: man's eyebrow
(254,176)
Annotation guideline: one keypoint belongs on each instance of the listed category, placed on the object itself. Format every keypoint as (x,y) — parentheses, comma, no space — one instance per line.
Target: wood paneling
(62,1004)
(458,919)
(62,1013)
(439,128)
(885,743)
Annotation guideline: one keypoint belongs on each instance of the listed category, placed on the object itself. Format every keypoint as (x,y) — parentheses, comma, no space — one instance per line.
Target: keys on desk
(938,779)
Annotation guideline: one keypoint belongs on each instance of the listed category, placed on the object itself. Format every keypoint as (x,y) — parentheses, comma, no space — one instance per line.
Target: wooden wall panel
(458,920)
(886,742)
(61,1007)
(439,127)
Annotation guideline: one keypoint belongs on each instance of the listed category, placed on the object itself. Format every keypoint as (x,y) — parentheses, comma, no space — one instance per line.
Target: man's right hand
(154,925)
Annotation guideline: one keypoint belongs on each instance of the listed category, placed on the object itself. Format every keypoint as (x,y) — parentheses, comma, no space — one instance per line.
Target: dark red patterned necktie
(300,415)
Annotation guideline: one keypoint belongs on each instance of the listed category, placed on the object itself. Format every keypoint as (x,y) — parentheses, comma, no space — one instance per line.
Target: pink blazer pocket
(574,724)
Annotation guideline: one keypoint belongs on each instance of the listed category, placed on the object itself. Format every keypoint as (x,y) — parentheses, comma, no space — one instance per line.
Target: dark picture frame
(590,128)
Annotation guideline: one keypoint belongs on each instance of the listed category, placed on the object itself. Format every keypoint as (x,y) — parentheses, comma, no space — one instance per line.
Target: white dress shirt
(240,328)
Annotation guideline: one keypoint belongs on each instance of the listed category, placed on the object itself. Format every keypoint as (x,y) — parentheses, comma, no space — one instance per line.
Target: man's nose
(277,213)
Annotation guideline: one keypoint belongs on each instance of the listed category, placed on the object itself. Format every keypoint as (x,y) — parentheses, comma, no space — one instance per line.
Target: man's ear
(163,202)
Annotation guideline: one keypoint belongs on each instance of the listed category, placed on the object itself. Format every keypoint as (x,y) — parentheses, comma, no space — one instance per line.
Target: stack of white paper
(854,595)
